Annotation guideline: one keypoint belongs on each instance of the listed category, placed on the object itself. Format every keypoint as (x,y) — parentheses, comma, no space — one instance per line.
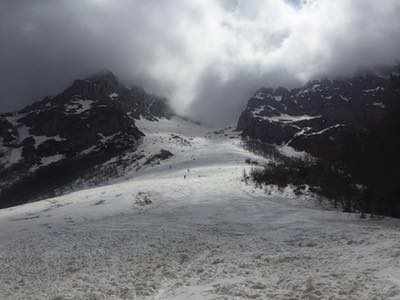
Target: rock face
(48,143)
(319,117)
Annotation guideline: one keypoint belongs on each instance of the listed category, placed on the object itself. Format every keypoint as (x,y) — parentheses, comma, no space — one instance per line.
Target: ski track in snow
(209,236)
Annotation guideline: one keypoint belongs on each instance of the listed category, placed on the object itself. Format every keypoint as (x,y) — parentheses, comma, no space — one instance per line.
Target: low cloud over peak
(207,56)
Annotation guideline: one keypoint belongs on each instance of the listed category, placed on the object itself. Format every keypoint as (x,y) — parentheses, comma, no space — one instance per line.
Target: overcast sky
(207,56)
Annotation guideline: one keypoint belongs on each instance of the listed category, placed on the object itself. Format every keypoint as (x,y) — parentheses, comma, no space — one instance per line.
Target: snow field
(157,235)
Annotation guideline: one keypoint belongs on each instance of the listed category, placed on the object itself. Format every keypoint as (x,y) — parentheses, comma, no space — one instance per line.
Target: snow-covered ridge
(284,118)
(326,129)
(288,151)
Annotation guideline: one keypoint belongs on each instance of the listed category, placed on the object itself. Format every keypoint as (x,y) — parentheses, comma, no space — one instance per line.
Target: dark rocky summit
(47,144)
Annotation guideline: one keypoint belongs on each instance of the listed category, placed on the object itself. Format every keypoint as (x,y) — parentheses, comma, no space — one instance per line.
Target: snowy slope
(189,228)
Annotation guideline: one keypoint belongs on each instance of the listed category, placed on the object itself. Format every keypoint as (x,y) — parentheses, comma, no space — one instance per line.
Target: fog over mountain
(207,56)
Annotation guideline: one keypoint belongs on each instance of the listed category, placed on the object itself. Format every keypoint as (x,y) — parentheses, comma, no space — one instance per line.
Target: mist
(206,56)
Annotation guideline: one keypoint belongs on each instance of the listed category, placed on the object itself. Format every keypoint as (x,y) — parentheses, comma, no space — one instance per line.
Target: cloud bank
(207,56)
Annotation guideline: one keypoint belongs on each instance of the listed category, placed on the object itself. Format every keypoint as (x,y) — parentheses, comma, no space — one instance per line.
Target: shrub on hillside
(324,179)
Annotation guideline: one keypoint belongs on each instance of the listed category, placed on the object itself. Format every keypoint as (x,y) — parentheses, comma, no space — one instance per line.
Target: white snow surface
(157,235)
(260,96)
(326,130)
(377,89)
(281,118)
(46,161)
(51,159)
(40,139)
(113,96)
(344,98)
(379,104)
(289,151)
(79,106)
(11,156)
(285,118)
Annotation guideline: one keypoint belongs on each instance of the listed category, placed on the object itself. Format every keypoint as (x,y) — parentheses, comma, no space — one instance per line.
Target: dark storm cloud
(46,44)
(208,56)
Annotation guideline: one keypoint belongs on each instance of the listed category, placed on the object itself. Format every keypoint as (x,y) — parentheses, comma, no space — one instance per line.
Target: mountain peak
(98,86)
(104,74)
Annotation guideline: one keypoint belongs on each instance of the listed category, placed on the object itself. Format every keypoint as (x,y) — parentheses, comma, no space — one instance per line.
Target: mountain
(49,143)
(316,117)
(178,218)
(350,125)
